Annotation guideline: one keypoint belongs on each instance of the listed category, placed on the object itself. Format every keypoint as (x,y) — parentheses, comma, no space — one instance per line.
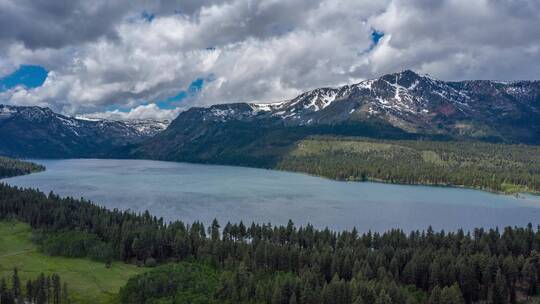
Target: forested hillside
(13,167)
(235,263)
(498,167)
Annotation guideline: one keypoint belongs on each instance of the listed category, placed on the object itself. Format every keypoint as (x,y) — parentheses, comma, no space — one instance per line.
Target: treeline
(497,167)
(192,283)
(289,264)
(42,290)
(188,282)
(74,244)
(12,167)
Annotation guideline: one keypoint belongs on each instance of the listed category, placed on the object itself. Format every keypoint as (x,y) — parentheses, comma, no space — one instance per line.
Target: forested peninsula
(10,167)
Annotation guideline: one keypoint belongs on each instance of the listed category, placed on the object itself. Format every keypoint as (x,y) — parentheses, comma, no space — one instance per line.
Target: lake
(192,192)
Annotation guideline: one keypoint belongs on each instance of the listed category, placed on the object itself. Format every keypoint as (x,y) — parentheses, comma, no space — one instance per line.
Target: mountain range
(402,105)
(40,132)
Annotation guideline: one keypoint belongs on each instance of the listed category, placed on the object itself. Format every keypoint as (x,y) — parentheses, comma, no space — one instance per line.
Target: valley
(439,132)
(270,152)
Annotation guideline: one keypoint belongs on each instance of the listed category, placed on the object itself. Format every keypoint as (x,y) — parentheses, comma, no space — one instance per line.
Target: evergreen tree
(56,289)
(16,282)
(65,294)
(292,299)
(500,290)
(435,297)
(383,298)
(29,291)
(214,230)
(530,275)
(6,297)
(41,290)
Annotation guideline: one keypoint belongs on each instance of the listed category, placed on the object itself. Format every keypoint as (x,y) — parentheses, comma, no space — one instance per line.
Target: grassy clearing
(319,147)
(88,281)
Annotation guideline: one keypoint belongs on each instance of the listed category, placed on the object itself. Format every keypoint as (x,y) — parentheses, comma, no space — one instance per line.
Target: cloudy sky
(150,58)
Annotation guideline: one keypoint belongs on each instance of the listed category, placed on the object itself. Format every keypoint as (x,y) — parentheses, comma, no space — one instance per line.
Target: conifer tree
(530,275)
(435,297)
(451,295)
(65,294)
(29,291)
(500,290)
(16,283)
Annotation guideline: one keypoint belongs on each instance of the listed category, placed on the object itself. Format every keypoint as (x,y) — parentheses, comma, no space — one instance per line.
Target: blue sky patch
(30,76)
(376,36)
(193,89)
(147,16)
(111,108)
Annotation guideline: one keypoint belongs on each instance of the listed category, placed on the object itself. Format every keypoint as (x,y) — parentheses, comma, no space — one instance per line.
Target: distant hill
(39,132)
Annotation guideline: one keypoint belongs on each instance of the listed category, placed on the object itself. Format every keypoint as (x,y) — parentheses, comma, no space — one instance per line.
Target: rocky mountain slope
(39,132)
(400,105)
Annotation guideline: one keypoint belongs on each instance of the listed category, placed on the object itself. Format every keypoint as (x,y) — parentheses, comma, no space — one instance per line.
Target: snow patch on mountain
(148,127)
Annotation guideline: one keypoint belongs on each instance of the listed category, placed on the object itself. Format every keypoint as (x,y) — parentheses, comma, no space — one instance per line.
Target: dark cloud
(55,24)
(182,7)
(60,23)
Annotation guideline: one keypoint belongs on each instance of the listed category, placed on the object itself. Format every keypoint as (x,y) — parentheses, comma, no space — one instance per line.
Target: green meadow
(88,281)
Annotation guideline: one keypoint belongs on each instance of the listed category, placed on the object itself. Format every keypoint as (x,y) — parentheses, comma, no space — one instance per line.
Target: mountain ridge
(414,103)
(32,131)
(402,105)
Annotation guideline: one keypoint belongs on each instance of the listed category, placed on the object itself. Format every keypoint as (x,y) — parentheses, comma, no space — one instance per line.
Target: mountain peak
(402,76)
(408,72)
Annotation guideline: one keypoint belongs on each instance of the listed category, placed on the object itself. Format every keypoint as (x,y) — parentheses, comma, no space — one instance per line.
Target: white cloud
(460,39)
(271,50)
(150,111)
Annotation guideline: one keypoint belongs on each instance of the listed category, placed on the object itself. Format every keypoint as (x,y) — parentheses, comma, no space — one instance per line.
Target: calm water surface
(192,192)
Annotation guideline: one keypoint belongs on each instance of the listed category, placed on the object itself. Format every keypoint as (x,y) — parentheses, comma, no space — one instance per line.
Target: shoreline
(517,194)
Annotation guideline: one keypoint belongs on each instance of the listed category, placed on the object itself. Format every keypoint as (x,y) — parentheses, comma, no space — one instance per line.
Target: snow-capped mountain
(408,101)
(147,127)
(144,127)
(40,132)
(401,105)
